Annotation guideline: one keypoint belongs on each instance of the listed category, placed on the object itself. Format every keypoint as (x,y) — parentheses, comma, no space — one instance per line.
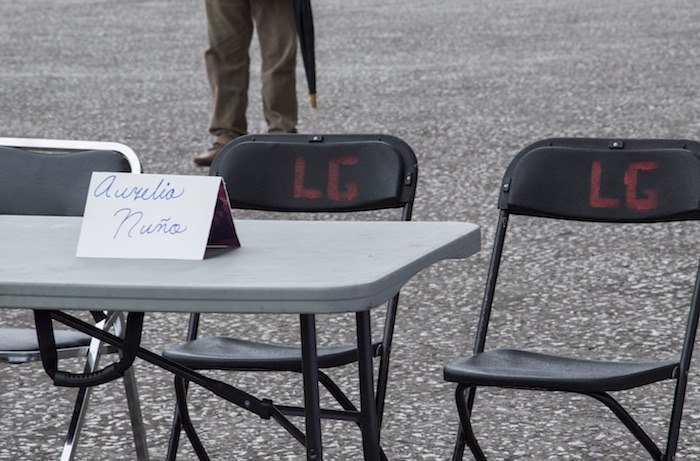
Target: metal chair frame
(274,144)
(80,345)
(548,179)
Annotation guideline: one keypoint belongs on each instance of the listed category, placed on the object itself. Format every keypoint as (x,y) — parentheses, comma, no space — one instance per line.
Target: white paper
(148,216)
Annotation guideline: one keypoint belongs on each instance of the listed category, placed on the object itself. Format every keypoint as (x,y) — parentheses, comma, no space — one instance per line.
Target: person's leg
(276,27)
(230,30)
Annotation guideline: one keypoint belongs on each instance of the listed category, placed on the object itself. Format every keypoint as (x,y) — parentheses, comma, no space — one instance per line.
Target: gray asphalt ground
(466,83)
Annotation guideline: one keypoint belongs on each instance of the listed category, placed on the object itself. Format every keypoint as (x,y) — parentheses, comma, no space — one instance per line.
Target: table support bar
(370,422)
(223,390)
(309,360)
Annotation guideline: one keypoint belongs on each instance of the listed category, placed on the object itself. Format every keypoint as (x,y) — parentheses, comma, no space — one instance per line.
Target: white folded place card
(151,216)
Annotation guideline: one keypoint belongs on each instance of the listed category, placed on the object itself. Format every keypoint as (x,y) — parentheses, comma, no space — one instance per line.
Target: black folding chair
(51,177)
(301,173)
(631,182)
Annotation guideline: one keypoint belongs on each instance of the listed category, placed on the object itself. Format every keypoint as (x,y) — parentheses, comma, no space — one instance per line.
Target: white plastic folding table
(284,267)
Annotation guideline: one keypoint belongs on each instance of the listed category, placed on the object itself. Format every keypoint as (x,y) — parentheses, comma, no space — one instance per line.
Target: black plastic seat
(621,182)
(309,174)
(222,353)
(51,177)
(527,369)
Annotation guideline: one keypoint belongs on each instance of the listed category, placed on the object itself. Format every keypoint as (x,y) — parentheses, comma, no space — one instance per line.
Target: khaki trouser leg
(278,44)
(230,31)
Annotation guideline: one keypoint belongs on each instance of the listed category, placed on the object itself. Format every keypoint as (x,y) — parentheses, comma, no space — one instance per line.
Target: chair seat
(224,353)
(19,345)
(532,370)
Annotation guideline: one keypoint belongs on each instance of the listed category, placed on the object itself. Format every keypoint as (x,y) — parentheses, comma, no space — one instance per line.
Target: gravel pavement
(466,83)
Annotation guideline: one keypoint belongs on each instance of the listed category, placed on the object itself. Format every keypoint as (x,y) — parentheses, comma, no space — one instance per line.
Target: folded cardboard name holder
(150,216)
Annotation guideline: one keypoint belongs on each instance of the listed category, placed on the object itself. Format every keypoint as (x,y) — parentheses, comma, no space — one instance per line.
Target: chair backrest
(600,180)
(318,173)
(36,182)
(605,180)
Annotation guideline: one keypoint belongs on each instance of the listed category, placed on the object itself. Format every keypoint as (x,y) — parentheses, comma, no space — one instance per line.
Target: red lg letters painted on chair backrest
(647,200)
(335,191)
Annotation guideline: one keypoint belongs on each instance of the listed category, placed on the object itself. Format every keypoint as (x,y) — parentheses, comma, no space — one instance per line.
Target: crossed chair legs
(182,420)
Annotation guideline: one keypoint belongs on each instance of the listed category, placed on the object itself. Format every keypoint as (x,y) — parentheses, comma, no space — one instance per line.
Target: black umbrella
(305,29)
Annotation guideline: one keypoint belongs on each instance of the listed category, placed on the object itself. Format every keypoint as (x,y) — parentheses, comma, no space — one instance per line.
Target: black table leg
(314,449)
(370,419)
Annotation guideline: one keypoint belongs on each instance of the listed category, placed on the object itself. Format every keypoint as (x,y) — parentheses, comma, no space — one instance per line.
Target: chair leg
(174,440)
(116,319)
(185,421)
(630,423)
(383,372)
(137,427)
(460,443)
(80,410)
(76,424)
(81,403)
(176,428)
(464,397)
(175,431)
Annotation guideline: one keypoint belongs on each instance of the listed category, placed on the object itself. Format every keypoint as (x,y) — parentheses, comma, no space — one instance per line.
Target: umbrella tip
(312,96)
